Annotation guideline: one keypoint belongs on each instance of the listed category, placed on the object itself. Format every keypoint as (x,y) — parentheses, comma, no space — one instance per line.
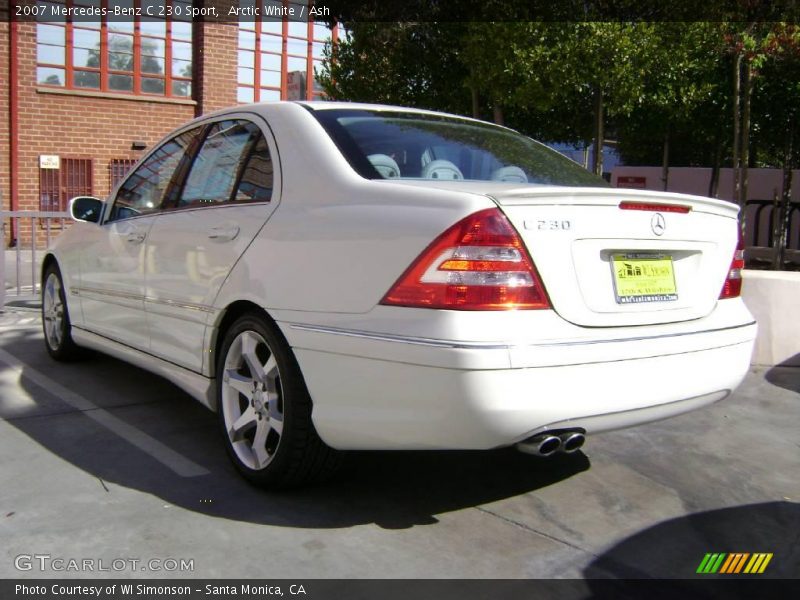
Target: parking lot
(100,460)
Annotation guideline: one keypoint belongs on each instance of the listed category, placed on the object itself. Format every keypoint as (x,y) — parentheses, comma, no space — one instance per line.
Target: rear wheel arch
(262,403)
(229,315)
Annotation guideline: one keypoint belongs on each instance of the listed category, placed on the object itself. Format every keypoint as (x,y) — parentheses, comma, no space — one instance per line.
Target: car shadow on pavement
(674,549)
(391,489)
(786,374)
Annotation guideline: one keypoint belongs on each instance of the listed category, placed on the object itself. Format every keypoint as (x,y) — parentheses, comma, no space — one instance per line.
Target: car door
(114,254)
(227,195)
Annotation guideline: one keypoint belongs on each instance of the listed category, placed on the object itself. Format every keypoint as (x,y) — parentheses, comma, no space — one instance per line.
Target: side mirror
(86,209)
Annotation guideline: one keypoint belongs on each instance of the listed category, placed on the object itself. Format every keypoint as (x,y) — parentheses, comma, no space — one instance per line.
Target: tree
(776,105)
(747,42)
(563,81)
(410,64)
(666,90)
(680,78)
(488,52)
(699,138)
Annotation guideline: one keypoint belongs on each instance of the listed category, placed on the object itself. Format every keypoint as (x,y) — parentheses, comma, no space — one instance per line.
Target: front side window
(234,156)
(388,145)
(134,54)
(143,191)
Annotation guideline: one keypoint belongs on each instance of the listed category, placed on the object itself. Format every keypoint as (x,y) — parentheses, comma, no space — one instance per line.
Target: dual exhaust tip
(547,444)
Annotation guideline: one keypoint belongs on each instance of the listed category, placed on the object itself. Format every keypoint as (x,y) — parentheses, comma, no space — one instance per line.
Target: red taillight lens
(480,263)
(733,283)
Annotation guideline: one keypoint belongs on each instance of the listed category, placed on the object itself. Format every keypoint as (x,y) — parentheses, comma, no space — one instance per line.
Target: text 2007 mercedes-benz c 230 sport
(331,276)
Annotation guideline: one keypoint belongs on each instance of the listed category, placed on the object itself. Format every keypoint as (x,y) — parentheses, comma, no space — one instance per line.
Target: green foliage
(409,64)
(685,97)
(776,98)
(657,81)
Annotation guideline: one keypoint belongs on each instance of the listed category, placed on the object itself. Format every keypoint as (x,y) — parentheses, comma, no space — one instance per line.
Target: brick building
(81,98)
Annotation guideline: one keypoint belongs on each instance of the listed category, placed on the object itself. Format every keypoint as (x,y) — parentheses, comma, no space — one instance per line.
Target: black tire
(56,323)
(274,399)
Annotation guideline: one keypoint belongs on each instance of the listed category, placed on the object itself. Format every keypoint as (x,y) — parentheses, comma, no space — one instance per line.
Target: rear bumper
(374,391)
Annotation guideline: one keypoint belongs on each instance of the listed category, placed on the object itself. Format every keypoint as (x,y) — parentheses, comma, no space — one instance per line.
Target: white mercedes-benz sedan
(333,276)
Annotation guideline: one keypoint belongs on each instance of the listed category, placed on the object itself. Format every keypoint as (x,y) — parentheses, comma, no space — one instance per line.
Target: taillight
(480,263)
(733,282)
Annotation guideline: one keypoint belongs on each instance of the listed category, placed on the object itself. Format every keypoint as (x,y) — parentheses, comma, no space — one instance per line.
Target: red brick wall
(215,62)
(80,126)
(5,190)
(100,128)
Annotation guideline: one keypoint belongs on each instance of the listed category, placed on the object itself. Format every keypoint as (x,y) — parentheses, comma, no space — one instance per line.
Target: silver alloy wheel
(252,400)
(53,311)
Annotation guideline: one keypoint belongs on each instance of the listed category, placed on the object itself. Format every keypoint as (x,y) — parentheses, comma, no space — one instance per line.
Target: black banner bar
(733,587)
(422,10)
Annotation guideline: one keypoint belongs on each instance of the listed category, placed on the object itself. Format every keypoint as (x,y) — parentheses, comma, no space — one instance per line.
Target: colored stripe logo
(734,563)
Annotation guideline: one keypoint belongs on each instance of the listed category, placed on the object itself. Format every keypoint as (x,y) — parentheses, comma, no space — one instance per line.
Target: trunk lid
(607,266)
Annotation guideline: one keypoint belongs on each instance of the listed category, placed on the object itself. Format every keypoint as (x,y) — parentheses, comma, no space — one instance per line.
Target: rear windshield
(398,145)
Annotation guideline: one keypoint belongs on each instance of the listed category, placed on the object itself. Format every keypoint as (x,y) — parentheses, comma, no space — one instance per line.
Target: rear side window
(255,184)
(143,191)
(233,158)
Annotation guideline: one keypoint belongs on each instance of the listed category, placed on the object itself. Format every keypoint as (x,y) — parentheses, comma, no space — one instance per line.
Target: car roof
(337,105)
(318,105)
(322,105)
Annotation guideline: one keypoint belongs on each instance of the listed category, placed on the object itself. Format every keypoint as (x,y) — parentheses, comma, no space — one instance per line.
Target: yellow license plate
(642,277)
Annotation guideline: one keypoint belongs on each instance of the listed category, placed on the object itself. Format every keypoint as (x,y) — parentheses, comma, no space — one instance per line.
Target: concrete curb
(774,298)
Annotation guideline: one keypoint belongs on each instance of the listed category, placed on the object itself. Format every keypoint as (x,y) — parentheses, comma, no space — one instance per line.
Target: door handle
(136,237)
(223,233)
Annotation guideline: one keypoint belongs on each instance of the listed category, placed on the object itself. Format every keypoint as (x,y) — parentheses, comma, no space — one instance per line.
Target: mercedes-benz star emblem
(658,224)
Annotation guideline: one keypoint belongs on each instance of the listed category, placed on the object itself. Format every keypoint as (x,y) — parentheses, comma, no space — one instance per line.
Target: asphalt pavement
(102,461)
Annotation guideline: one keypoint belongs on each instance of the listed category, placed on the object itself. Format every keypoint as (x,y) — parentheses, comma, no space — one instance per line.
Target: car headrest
(510,174)
(441,169)
(385,165)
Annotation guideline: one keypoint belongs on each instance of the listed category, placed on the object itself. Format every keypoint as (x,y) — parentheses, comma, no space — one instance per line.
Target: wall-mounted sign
(49,161)
(636,183)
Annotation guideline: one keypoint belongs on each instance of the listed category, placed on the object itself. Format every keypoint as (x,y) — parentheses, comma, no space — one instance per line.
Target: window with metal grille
(118,169)
(142,55)
(58,186)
